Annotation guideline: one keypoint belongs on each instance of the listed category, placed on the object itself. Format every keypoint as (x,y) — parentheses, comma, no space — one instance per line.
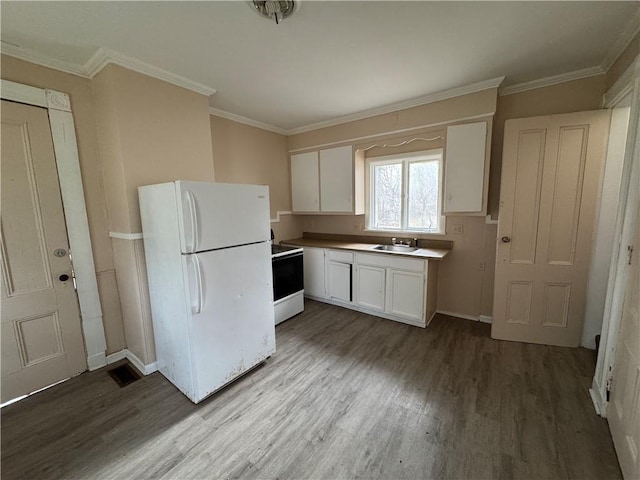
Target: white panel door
(305,182)
(336,179)
(464,165)
(41,333)
(339,281)
(232,326)
(406,292)
(623,412)
(551,172)
(218,215)
(314,276)
(371,287)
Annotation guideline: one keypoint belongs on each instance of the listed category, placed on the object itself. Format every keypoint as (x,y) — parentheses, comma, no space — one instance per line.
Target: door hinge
(629,254)
(609,384)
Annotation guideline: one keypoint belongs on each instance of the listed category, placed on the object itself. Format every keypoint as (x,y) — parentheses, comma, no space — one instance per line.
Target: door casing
(65,148)
(627,84)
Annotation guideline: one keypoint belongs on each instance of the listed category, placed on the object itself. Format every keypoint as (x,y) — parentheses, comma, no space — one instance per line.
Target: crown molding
(553,80)
(100,59)
(624,39)
(623,85)
(415,102)
(434,97)
(41,59)
(105,56)
(216,112)
(375,136)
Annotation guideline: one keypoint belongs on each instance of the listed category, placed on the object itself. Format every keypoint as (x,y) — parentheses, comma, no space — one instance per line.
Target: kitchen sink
(395,248)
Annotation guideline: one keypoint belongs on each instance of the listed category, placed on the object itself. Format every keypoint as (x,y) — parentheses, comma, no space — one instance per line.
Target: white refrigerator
(208,257)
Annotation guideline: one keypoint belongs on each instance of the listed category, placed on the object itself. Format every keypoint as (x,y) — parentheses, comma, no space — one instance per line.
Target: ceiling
(330,59)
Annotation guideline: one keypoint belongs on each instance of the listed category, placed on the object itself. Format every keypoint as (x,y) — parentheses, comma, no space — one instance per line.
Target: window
(404,192)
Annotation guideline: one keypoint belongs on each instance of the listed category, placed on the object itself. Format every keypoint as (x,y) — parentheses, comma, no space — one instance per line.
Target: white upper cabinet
(466,169)
(328,181)
(336,179)
(305,191)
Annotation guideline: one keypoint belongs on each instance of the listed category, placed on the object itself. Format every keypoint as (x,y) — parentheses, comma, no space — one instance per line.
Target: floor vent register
(124,375)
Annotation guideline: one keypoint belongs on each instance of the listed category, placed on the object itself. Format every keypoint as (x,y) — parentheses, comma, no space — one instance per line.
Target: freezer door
(219,215)
(232,322)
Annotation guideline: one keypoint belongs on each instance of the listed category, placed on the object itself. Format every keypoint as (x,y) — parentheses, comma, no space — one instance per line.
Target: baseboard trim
(96,361)
(116,357)
(145,369)
(475,318)
(597,402)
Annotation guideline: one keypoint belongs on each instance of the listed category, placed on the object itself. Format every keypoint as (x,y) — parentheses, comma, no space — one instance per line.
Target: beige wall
(623,61)
(150,132)
(79,91)
(450,110)
(153,132)
(245,154)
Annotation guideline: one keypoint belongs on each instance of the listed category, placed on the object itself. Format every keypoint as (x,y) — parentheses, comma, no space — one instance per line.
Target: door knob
(64,277)
(505,239)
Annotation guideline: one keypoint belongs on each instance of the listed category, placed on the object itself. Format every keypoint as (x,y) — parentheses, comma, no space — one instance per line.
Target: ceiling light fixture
(277,10)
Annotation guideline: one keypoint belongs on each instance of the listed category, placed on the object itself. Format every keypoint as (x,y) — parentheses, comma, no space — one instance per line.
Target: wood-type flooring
(346,396)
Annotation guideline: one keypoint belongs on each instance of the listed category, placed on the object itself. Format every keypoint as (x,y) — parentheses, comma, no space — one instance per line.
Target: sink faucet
(407,242)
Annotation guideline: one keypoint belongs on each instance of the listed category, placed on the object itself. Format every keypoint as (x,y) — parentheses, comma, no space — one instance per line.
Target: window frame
(404,159)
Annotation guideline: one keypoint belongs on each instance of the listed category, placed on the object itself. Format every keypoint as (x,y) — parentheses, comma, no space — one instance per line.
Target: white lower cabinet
(405,296)
(395,287)
(371,287)
(395,284)
(339,275)
(339,281)
(314,278)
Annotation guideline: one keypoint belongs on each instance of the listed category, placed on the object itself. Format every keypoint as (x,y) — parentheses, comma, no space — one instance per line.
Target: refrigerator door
(219,215)
(232,317)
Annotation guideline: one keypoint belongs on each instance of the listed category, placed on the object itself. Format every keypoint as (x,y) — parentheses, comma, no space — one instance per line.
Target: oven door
(288,275)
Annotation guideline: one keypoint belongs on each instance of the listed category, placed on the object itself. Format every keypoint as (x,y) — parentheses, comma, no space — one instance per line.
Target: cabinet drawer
(386,260)
(340,256)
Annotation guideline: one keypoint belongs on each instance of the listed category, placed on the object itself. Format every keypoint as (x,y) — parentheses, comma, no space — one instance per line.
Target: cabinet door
(406,294)
(305,187)
(336,179)
(339,281)
(371,287)
(314,272)
(465,162)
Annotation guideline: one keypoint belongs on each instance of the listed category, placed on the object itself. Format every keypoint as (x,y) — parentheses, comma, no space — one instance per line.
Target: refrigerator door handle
(193,216)
(198,274)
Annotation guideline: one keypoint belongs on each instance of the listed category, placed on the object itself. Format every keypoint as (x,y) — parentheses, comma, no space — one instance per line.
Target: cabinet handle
(505,239)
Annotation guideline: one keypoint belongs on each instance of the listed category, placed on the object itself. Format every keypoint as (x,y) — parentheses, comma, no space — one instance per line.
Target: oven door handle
(286,257)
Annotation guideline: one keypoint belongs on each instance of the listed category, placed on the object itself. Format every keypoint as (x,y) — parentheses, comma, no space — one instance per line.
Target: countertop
(424,253)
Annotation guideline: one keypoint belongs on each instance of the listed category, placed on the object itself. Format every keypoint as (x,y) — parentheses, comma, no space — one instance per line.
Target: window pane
(387,195)
(423,195)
